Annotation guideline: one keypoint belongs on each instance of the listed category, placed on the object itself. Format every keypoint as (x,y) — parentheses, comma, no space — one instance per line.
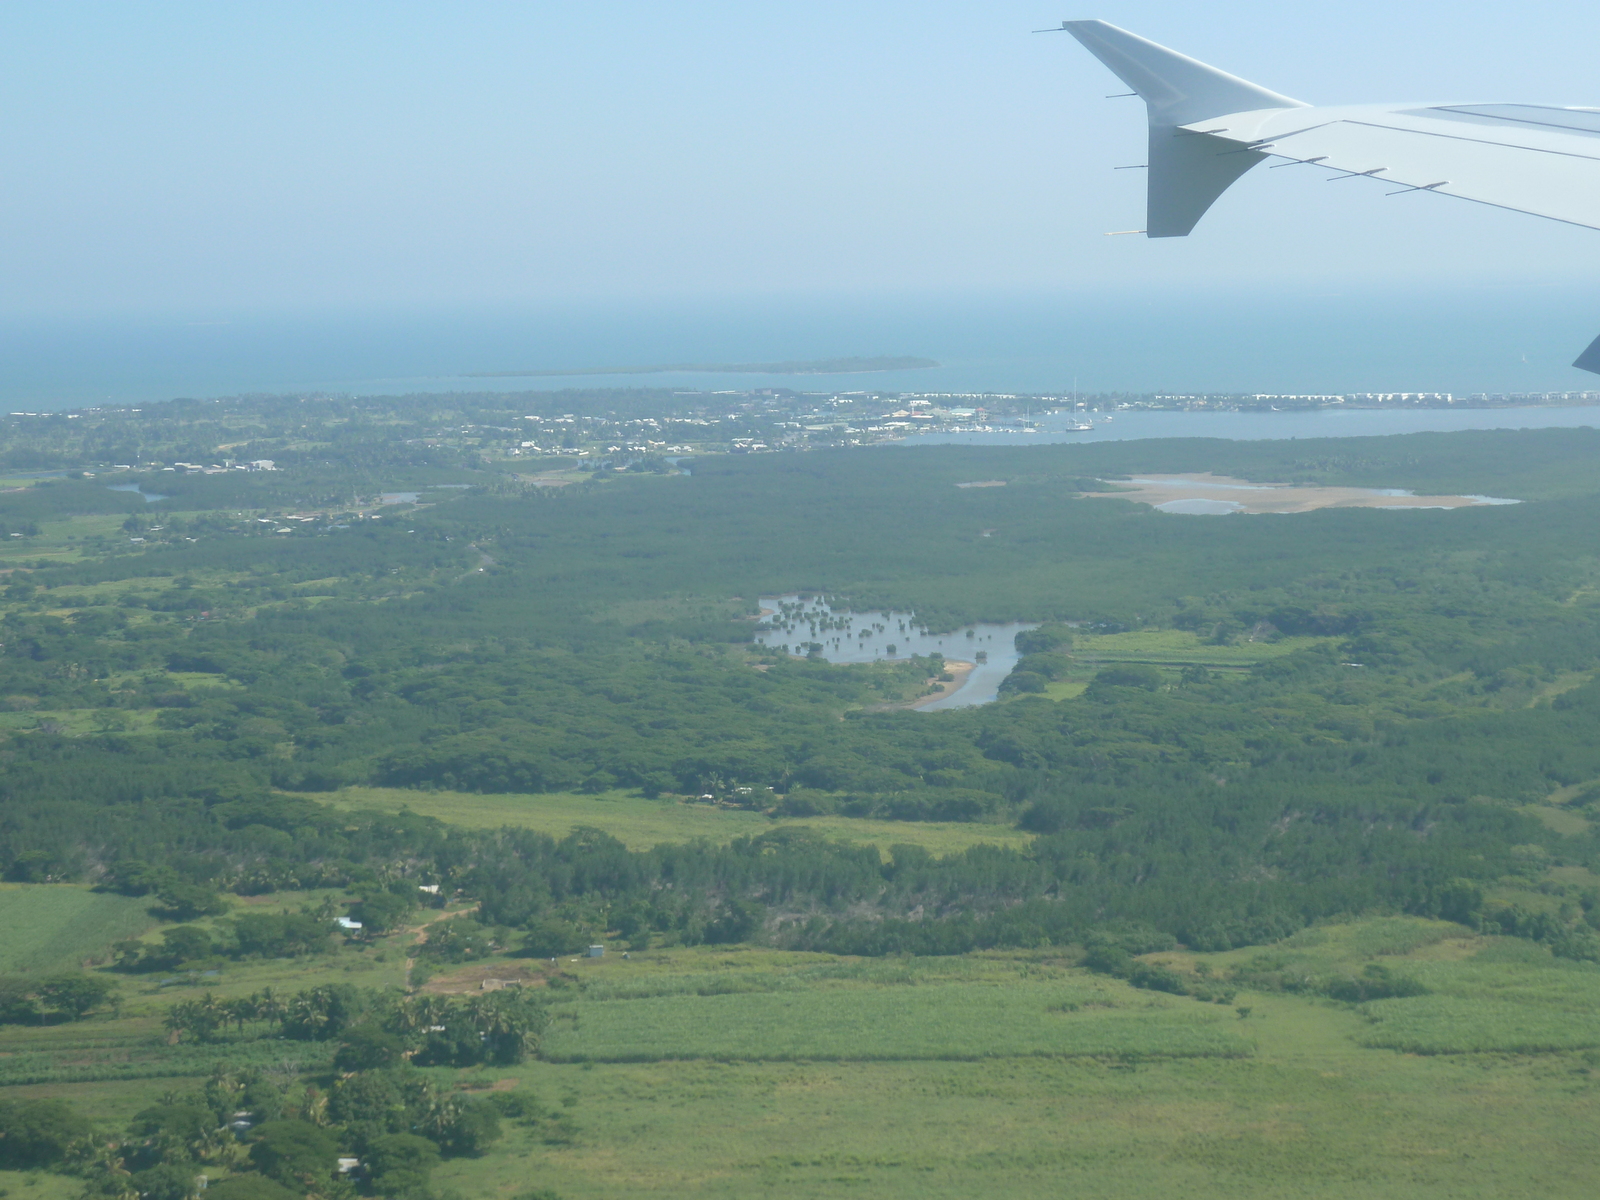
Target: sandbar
(954,667)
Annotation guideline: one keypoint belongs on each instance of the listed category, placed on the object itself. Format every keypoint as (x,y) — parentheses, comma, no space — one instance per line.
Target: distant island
(819,366)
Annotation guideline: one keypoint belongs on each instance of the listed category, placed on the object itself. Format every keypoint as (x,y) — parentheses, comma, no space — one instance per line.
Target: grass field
(1562,820)
(81,722)
(728,1072)
(50,927)
(57,539)
(1180,647)
(1312,1110)
(641,823)
(1449,1025)
(940,1023)
(1171,649)
(33,1185)
(143,1055)
(1299,1126)
(1009,1016)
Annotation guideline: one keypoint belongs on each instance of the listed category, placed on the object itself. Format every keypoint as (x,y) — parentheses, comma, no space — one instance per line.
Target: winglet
(1178,89)
(1188,171)
(1589,360)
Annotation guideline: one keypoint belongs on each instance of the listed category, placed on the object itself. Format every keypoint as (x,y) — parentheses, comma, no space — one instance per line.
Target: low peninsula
(819,366)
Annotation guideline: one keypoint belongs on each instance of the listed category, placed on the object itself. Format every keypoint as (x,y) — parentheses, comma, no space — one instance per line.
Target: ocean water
(1458,339)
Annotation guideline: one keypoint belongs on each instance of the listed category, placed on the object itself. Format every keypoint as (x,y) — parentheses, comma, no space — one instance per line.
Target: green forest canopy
(162,694)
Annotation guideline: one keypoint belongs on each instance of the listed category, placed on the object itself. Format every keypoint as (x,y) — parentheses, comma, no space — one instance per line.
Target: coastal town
(622,429)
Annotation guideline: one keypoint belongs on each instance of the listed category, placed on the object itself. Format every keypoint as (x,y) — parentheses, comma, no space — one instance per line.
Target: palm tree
(419,1014)
(267,1006)
(239,1011)
(200,1018)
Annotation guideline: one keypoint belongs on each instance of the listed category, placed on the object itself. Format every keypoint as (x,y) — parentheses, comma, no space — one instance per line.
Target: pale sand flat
(957,668)
(1247,497)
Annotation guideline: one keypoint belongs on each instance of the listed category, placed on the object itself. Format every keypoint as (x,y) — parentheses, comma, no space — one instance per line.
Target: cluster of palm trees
(498,1027)
(203,1019)
(502,1026)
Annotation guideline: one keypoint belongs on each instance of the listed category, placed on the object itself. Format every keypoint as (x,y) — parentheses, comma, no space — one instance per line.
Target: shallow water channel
(149,497)
(799,623)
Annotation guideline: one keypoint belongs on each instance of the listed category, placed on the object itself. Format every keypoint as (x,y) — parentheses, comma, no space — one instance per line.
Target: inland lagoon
(804,625)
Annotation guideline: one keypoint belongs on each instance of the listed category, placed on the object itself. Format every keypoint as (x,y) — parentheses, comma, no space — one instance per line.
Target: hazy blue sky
(300,156)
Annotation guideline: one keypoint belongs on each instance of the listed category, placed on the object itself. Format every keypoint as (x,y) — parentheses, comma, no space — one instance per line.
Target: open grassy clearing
(640,823)
(134,1045)
(114,1101)
(738,1071)
(34,1185)
(1169,650)
(638,612)
(1566,682)
(58,540)
(53,927)
(949,1021)
(1182,647)
(1483,995)
(1566,795)
(1562,820)
(1314,1110)
(1448,1025)
(80,722)
(147,1055)
(384,967)
(771,1005)
(1345,946)
(1378,1126)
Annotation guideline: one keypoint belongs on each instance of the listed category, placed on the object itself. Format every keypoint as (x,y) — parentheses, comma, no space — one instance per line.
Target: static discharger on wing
(1207,128)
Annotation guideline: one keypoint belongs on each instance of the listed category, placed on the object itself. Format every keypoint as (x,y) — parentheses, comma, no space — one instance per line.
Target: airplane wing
(1207,128)
(1526,157)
